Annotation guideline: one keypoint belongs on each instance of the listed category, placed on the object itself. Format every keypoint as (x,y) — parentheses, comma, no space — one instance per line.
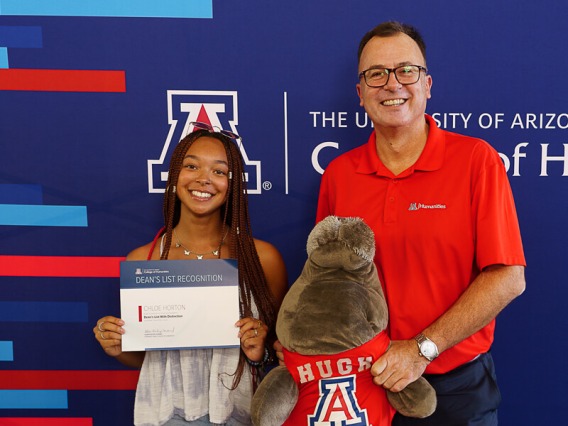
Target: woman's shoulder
(266,249)
(274,268)
(142,252)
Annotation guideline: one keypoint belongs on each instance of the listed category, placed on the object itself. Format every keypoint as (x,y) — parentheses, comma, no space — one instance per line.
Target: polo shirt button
(391,199)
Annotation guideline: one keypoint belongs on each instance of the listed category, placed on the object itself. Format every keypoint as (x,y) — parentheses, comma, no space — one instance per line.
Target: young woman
(206,217)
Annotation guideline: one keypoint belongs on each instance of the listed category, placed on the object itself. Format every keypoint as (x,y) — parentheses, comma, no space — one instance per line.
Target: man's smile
(393,102)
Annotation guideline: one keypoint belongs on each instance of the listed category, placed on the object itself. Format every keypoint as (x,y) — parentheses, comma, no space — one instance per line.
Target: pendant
(199,256)
(186,252)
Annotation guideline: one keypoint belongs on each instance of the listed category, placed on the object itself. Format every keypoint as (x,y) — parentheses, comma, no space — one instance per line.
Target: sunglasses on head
(198,125)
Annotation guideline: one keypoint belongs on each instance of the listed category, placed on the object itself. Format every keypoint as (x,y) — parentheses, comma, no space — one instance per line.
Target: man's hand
(400,365)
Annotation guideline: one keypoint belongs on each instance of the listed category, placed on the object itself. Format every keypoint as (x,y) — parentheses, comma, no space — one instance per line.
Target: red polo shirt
(437,225)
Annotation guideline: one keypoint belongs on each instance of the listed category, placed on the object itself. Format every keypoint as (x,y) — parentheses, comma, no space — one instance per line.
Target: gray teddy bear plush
(332,326)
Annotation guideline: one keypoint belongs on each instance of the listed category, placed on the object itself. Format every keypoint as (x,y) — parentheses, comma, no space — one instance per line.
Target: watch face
(428,349)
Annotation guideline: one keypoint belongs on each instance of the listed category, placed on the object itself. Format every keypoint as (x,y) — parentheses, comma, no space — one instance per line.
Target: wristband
(264,360)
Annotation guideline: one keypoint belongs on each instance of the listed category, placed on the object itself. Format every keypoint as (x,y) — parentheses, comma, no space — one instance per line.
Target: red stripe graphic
(139,313)
(60,266)
(69,379)
(46,421)
(62,80)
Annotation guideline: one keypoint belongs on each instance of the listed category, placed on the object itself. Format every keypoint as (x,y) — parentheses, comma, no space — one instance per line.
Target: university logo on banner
(217,108)
(337,404)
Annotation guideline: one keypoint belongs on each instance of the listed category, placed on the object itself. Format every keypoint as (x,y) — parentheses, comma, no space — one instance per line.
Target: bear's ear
(350,231)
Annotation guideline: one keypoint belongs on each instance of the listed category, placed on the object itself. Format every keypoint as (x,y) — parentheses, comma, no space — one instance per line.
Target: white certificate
(179,304)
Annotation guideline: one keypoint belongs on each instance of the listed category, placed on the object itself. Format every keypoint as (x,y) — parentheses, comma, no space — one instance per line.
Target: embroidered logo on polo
(217,108)
(337,404)
(418,206)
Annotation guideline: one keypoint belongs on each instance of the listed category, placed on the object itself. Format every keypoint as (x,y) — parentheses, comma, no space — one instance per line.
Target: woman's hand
(108,332)
(252,333)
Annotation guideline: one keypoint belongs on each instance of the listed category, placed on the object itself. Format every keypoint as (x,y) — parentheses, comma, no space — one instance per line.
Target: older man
(449,250)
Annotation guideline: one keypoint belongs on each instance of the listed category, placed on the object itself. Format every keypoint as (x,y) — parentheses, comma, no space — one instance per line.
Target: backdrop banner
(95,95)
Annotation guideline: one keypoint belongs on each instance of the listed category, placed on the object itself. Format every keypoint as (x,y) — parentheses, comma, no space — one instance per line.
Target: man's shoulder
(471,149)
(466,141)
(461,137)
(351,156)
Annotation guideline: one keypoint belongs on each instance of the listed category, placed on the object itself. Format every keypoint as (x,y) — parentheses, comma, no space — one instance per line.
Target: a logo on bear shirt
(337,404)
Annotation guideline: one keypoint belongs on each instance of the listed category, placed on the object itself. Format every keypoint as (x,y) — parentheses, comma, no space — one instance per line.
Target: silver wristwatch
(426,347)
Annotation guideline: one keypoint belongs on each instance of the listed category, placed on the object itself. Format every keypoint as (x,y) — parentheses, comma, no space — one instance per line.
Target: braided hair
(236,221)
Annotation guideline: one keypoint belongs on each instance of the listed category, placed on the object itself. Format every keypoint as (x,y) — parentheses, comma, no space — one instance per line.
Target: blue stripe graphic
(20,194)
(20,37)
(34,215)
(44,311)
(6,351)
(3,57)
(25,399)
(110,8)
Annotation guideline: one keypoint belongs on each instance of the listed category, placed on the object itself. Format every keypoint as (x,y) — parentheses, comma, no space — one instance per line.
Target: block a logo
(216,108)
(337,404)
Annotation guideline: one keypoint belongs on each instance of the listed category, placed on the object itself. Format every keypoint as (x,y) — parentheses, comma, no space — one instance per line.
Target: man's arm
(486,296)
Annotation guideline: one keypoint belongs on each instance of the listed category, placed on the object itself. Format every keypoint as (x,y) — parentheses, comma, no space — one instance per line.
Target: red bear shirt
(338,389)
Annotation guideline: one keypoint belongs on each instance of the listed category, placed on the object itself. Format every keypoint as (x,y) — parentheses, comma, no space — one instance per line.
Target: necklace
(199,256)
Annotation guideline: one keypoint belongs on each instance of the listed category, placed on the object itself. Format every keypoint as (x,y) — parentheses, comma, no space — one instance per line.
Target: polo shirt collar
(432,157)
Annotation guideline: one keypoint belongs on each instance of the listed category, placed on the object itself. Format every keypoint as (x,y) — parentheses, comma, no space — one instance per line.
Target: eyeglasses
(198,125)
(405,75)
